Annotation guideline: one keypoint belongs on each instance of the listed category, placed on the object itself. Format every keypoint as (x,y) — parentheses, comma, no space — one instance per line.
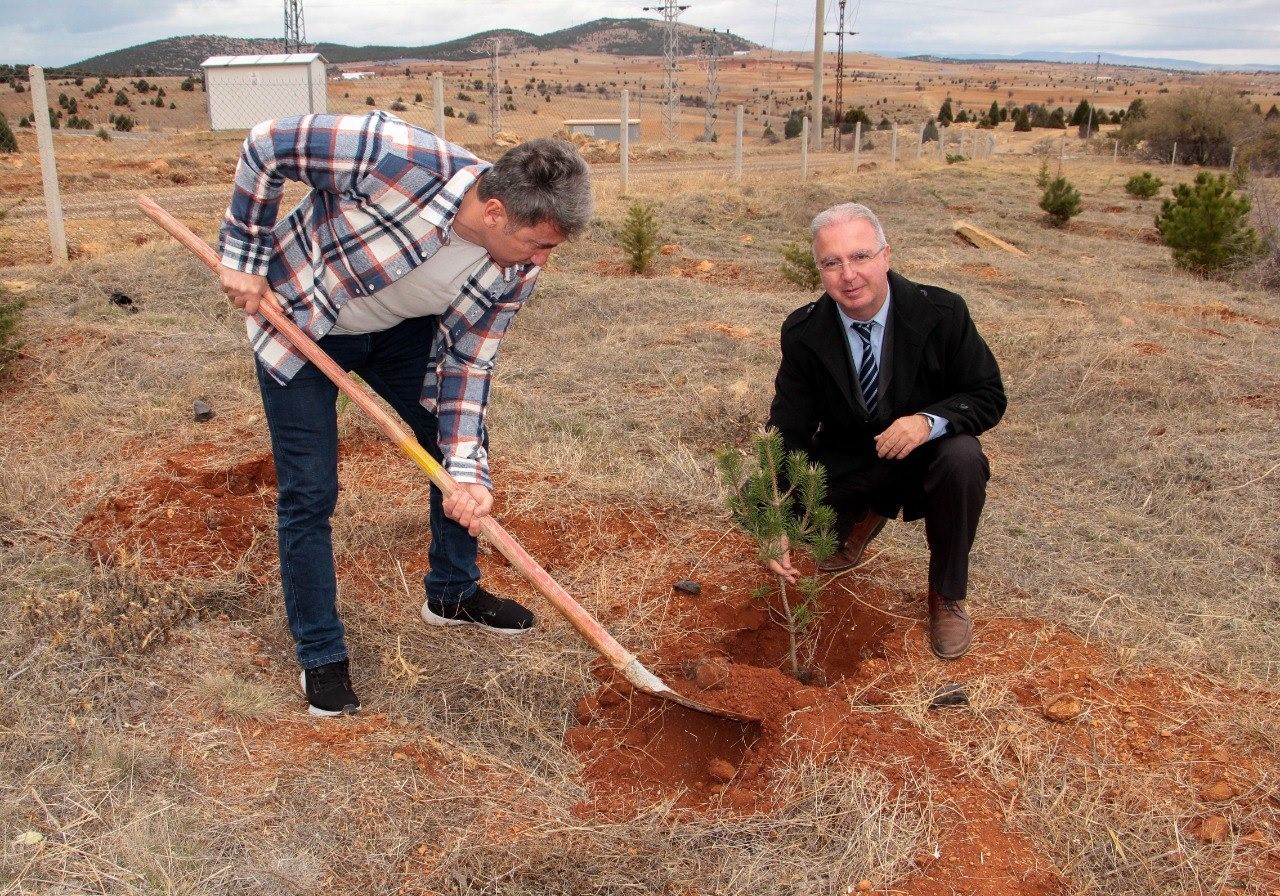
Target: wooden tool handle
(584,622)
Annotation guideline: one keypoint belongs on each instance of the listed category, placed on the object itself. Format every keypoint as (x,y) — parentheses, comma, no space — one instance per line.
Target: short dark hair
(542,180)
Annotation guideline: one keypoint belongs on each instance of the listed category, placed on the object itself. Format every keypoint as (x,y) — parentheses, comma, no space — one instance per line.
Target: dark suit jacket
(932,360)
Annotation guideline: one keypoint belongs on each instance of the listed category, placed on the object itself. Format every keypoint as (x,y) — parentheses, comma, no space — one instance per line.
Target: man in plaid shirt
(406,262)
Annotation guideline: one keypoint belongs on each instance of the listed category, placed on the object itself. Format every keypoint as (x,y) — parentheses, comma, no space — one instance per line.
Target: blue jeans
(303,420)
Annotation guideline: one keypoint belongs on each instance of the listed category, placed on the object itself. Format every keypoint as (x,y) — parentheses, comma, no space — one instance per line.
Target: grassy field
(154,742)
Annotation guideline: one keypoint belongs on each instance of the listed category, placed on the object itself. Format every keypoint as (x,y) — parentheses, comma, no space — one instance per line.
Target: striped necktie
(868,370)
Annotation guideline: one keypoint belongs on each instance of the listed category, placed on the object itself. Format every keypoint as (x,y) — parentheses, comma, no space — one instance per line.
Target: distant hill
(175,55)
(620,37)
(1182,65)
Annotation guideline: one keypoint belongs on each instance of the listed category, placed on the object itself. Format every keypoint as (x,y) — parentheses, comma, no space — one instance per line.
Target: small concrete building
(241,91)
(604,128)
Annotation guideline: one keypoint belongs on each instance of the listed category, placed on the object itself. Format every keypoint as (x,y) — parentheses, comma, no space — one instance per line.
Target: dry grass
(1133,502)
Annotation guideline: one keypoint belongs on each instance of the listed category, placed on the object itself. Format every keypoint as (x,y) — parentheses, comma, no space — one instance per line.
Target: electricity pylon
(495,94)
(711,52)
(295,32)
(670,11)
(840,33)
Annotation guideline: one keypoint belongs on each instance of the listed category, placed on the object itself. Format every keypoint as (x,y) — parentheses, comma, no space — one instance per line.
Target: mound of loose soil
(200,516)
(638,750)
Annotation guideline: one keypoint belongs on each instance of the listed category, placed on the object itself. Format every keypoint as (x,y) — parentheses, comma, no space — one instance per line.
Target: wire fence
(110,139)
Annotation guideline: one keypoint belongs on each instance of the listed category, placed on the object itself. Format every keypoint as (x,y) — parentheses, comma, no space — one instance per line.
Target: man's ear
(495,213)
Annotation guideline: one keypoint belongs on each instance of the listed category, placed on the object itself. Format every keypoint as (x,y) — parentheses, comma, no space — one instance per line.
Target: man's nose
(540,257)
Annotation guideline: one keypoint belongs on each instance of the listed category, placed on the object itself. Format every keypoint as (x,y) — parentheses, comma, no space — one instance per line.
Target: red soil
(197,518)
(871,679)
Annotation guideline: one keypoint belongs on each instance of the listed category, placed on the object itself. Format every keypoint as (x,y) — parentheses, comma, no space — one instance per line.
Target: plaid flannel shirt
(383,199)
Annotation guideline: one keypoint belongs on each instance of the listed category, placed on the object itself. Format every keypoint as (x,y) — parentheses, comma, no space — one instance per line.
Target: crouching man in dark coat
(887,384)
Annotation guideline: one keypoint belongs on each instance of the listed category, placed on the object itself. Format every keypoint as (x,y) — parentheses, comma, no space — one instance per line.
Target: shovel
(604,643)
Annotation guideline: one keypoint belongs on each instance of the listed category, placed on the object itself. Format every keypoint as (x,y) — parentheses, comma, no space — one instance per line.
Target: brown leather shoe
(849,554)
(950,628)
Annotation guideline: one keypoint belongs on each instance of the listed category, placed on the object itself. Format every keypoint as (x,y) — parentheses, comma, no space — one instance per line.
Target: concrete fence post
(1115,152)
(857,144)
(624,143)
(893,147)
(737,148)
(942,142)
(437,86)
(1231,166)
(920,140)
(804,148)
(1173,160)
(48,164)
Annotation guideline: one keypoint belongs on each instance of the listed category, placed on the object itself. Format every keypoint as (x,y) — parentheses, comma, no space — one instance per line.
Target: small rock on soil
(1217,791)
(949,695)
(1214,829)
(1062,708)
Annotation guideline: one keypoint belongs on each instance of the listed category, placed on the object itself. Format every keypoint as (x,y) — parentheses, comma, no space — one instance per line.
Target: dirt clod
(1217,791)
(711,675)
(1214,829)
(721,771)
(1062,708)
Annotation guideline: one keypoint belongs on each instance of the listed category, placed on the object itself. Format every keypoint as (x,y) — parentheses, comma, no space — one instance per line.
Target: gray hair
(845,212)
(542,180)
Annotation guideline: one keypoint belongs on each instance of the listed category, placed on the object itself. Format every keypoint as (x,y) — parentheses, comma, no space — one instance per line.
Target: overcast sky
(59,32)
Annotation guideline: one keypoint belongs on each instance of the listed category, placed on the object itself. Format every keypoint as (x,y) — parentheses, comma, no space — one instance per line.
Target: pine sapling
(1061,200)
(780,504)
(1043,178)
(8,143)
(1207,225)
(799,267)
(638,237)
(9,346)
(1143,186)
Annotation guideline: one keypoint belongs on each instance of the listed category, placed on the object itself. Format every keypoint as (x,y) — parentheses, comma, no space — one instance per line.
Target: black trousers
(944,481)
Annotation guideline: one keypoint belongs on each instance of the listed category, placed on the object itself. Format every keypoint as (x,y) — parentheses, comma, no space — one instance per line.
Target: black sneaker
(328,690)
(493,614)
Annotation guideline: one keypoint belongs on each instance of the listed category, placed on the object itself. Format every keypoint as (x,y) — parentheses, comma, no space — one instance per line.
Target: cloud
(59,32)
